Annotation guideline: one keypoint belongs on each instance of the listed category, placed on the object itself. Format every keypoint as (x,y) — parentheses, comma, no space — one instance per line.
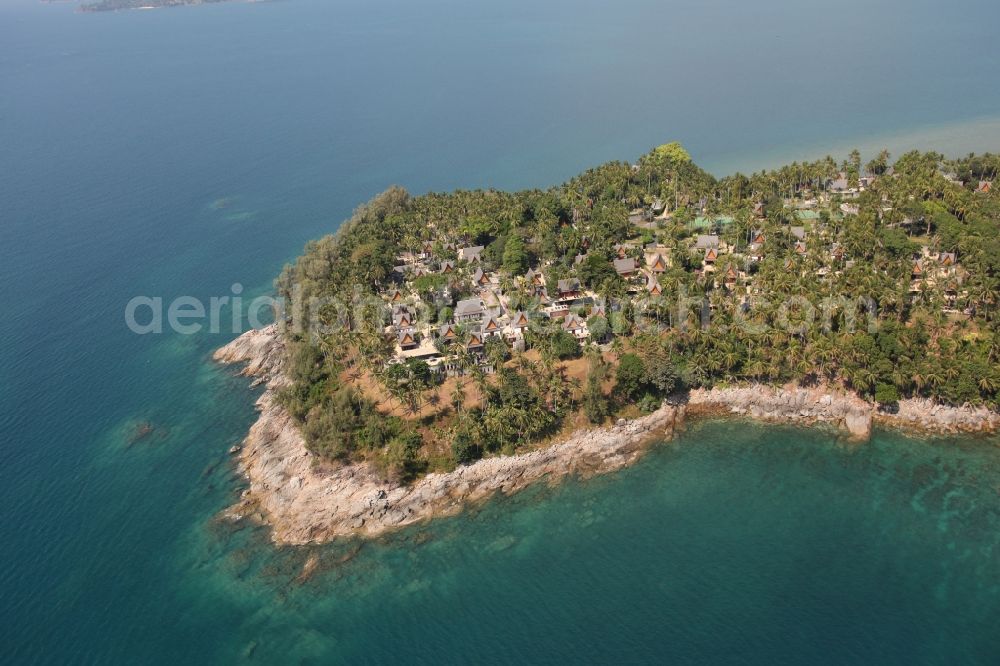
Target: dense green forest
(907,252)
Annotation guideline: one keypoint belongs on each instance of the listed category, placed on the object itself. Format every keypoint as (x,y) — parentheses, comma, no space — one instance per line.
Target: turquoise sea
(177,152)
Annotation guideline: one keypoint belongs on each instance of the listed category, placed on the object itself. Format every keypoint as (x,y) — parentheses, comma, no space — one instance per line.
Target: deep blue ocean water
(178,152)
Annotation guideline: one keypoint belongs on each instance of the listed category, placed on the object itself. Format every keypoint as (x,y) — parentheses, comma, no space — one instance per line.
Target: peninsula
(440,348)
(116,5)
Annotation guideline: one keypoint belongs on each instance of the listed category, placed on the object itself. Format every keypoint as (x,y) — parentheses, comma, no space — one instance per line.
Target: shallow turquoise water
(734,543)
(178,152)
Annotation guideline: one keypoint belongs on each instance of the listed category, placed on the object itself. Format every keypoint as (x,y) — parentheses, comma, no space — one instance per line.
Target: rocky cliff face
(928,416)
(305,502)
(262,350)
(845,410)
(791,405)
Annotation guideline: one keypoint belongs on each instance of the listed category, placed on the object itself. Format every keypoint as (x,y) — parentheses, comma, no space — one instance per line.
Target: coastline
(952,137)
(849,412)
(304,501)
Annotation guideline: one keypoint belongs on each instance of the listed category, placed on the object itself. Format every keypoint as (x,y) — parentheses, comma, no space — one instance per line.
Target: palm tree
(933,376)
(863,379)
(756,368)
(457,397)
(482,385)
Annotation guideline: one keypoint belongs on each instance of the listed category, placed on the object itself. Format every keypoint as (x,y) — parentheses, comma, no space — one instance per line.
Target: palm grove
(477,306)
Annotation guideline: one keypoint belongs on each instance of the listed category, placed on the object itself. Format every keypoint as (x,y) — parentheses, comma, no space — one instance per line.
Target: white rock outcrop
(928,416)
(794,404)
(790,405)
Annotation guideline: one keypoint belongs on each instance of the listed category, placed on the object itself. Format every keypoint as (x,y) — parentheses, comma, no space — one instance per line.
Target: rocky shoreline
(304,501)
(808,406)
(789,405)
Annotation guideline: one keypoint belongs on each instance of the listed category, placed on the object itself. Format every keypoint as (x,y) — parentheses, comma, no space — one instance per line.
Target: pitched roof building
(656,263)
(575,325)
(475,342)
(707,241)
(519,320)
(407,340)
(471,309)
(653,286)
(569,287)
(534,277)
(625,267)
(491,327)
(471,254)
(447,333)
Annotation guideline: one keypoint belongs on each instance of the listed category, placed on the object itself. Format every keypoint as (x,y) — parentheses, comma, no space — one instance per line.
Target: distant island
(435,331)
(115,5)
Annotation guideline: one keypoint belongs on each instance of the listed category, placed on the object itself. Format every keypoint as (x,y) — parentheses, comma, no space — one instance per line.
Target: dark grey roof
(626,265)
(469,306)
(839,184)
(569,284)
(470,253)
(706,241)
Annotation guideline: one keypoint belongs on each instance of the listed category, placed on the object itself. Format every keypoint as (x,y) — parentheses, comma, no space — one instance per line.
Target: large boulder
(859,423)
